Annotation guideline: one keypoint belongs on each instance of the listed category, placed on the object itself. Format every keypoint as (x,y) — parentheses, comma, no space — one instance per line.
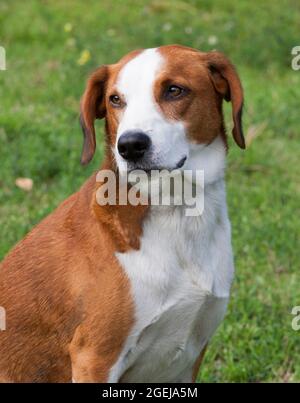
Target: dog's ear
(227,83)
(92,107)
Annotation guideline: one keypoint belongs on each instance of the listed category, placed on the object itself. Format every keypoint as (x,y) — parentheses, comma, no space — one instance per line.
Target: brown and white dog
(130,293)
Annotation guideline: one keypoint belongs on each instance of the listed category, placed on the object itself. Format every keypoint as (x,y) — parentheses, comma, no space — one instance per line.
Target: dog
(125,293)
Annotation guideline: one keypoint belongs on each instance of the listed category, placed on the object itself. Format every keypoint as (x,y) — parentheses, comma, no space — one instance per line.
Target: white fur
(136,85)
(180,279)
(209,158)
(181,276)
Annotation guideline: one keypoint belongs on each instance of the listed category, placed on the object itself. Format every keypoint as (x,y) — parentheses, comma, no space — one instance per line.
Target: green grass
(40,138)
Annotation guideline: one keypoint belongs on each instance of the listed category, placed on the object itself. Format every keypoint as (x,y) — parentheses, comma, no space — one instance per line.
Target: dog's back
(36,292)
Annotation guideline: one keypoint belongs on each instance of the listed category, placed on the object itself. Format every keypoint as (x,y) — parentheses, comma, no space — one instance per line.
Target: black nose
(132,145)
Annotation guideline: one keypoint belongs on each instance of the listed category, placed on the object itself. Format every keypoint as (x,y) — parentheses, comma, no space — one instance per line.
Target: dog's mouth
(181,162)
(148,168)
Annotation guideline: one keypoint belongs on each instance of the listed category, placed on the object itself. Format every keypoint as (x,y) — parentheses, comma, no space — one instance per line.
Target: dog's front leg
(92,357)
(88,368)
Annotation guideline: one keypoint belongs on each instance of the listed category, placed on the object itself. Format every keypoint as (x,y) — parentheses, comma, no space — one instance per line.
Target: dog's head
(161,105)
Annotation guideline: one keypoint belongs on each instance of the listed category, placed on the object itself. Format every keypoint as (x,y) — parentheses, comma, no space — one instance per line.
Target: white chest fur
(180,280)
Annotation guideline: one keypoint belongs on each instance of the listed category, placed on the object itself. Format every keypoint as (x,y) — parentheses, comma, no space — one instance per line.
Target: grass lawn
(52,46)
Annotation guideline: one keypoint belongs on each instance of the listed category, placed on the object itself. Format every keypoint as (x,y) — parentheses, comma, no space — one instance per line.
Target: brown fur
(64,293)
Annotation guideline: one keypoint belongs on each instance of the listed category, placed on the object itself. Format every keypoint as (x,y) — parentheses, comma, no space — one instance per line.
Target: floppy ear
(227,83)
(92,107)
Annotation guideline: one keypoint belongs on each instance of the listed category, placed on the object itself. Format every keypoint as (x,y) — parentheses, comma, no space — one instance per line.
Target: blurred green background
(51,48)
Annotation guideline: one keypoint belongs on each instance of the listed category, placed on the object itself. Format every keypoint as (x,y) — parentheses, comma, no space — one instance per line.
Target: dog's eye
(174,92)
(115,100)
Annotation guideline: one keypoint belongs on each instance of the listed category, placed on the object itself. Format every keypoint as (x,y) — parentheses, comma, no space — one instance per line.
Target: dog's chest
(180,297)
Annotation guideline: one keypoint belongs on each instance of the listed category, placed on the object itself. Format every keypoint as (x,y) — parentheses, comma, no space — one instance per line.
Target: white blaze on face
(136,84)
